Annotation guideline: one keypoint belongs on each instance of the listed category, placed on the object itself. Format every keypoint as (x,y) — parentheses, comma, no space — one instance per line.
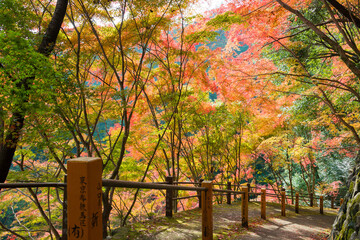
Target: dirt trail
(309,224)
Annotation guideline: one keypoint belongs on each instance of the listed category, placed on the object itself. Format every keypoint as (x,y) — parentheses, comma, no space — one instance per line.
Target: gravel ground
(309,224)
(295,227)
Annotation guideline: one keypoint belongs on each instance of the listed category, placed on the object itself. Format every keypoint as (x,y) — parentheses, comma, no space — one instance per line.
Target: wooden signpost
(84,190)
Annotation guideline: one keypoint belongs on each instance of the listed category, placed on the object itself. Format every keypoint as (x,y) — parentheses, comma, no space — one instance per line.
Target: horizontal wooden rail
(129,184)
(228,191)
(187,182)
(220,184)
(270,189)
(83,183)
(287,191)
(219,194)
(255,193)
(273,194)
(31,184)
(187,197)
(306,196)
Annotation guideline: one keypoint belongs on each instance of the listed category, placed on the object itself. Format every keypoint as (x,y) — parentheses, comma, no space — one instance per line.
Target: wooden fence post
(199,193)
(229,194)
(321,204)
(283,211)
(311,200)
(207,216)
(169,197)
(244,205)
(263,203)
(332,202)
(297,202)
(64,222)
(84,194)
(236,186)
(249,190)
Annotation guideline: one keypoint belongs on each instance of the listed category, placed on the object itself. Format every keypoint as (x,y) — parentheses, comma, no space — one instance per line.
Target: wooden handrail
(145,185)
(186,197)
(31,184)
(170,187)
(187,182)
(219,194)
(228,191)
(255,193)
(220,184)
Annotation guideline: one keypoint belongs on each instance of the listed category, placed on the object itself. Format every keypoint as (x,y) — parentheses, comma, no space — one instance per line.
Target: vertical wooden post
(249,190)
(297,202)
(311,200)
(84,194)
(332,202)
(321,204)
(236,186)
(64,222)
(199,193)
(207,216)
(245,207)
(341,201)
(263,203)
(169,198)
(283,211)
(229,194)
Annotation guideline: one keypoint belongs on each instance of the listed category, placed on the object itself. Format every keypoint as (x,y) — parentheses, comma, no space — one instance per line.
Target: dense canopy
(258,91)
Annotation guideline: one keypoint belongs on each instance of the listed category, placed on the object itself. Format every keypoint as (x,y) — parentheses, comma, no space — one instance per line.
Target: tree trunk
(9,143)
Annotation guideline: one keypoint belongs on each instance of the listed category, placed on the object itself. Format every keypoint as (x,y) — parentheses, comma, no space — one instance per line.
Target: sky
(206,5)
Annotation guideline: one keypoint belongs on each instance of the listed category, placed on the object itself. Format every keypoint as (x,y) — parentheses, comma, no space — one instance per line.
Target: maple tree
(298,48)
(122,76)
(307,59)
(255,91)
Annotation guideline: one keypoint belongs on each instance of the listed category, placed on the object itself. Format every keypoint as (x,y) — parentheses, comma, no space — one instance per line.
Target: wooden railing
(42,185)
(83,208)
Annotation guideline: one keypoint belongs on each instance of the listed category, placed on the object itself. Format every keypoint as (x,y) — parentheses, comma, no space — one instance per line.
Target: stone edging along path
(309,224)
